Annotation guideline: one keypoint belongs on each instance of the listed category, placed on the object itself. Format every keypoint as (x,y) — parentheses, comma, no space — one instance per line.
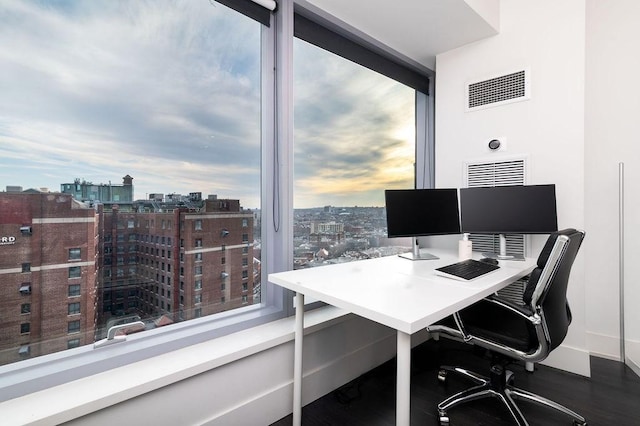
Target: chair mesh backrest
(553,299)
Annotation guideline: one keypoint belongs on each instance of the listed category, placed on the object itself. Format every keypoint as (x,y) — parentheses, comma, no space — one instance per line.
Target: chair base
(499,385)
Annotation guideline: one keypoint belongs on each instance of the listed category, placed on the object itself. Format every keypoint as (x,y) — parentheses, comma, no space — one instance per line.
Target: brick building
(176,259)
(48,274)
(69,271)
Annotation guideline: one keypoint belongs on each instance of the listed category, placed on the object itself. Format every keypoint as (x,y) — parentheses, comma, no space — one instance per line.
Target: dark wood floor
(610,397)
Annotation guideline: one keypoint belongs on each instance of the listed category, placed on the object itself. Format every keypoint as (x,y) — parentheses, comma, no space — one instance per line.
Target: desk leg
(403,385)
(297,361)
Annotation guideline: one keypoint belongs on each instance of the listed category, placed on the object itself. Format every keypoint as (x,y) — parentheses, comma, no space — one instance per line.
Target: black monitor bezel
(532,201)
(452,210)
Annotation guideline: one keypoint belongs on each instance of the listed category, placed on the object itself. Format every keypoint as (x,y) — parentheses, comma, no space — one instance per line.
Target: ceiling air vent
(504,89)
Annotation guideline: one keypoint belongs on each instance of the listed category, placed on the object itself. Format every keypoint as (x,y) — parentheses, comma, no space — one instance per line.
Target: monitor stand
(503,251)
(415,254)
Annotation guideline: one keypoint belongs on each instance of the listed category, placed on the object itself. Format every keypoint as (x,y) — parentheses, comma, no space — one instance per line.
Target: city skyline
(149,89)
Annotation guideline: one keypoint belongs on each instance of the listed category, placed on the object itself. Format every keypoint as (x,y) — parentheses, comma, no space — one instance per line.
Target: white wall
(548,38)
(612,108)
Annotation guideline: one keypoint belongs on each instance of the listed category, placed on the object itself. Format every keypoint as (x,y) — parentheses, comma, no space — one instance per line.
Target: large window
(164,127)
(355,136)
(142,115)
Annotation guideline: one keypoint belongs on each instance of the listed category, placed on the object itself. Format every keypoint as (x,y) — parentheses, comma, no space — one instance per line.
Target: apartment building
(48,269)
(177,259)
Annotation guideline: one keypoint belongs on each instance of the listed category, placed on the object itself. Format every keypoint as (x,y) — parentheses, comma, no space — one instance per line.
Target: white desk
(399,293)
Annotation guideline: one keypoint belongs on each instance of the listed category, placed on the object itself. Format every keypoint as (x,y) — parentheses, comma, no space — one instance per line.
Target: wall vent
(499,173)
(500,90)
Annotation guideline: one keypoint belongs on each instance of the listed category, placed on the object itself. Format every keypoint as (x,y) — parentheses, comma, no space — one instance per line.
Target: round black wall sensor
(494,144)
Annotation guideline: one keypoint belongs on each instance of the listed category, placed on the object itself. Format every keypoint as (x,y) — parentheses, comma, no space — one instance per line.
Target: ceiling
(418,29)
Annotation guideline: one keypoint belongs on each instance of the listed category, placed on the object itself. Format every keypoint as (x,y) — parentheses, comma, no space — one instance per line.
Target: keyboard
(466,270)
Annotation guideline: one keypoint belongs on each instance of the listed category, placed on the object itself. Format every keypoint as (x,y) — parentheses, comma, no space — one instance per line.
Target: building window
(245,274)
(74,254)
(197,225)
(74,290)
(223,260)
(198,270)
(73,343)
(74,272)
(73,327)
(245,238)
(197,298)
(245,287)
(198,285)
(25,308)
(197,312)
(198,242)
(25,328)
(26,267)
(73,308)
(245,298)
(245,223)
(198,257)
(245,261)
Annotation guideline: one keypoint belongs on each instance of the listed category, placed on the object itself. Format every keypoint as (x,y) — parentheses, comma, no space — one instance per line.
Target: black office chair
(510,331)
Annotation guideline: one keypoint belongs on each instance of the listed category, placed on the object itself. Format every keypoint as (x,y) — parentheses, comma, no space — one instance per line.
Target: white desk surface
(399,293)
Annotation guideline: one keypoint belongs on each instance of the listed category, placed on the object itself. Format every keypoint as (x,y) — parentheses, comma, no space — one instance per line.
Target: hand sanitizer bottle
(464,247)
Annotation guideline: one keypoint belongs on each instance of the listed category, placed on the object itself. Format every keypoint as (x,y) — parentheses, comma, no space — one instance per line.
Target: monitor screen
(422,212)
(522,209)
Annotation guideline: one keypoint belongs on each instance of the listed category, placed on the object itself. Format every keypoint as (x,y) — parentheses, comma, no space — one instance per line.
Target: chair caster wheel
(444,419)
(510,377)
(579,423)
(442,376)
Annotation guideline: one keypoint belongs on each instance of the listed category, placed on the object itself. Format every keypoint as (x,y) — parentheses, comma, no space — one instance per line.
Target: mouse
(489,260)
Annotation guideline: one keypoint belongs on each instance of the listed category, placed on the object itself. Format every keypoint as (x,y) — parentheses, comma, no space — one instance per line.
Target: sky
(169,93)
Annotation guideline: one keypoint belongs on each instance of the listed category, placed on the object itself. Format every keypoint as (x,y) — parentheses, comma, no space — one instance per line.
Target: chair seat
(490,322)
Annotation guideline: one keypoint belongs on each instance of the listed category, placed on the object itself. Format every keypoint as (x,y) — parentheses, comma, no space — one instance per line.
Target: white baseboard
(604,346)
(573,360)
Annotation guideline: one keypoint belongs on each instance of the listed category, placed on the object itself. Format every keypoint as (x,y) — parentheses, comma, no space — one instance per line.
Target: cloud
(100,89)
(169,93)
(354,131)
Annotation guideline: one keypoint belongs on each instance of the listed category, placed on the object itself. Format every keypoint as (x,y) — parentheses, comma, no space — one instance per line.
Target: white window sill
(71,400)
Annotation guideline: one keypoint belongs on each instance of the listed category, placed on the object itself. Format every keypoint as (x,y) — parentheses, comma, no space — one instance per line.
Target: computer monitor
(519,209)
(421,212)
